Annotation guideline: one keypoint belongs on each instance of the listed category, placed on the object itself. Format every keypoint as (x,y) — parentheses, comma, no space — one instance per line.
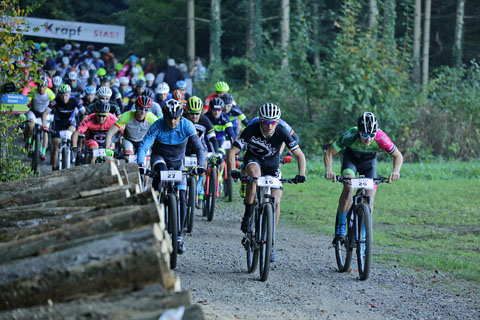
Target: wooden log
(60,238)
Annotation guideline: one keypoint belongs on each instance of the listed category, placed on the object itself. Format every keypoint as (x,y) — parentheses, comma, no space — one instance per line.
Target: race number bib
(171,175)
(190,161)
(99,153)
(362,183)
(269,181)
(65,134)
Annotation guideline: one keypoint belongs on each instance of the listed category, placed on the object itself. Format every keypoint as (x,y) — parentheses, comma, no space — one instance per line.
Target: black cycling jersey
(114,109)
(64,113)
(262,147)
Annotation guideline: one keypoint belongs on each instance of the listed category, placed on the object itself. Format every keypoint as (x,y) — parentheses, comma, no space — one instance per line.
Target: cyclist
(155,108)
(132,96)
(124,89)
(103,93)
(205,131)
(150,78)
(65,108)
(89,97)
(57,82)
(263,141)
(234,113)
(169,137)
(115,96)
(83,75)
(136,124)
(221,87)
(182,86)
(162,93)
(361,144)
(38,100)
(95,128)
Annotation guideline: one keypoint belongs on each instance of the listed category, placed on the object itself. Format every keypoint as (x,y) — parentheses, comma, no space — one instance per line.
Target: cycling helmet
(42,81)
(123,80)
(367,123)
(133,81)
(65,60)
(149,93)
(141,83)
(135,71)
(172,109)
(104,92)
(57,81)
(181,84)
(101,72)
(227,98)
(83,65)
(149,77)
(144,102)
(118,66)
(178,95)
(65,88)
(101,106)
(269,111)
(72,75)
(162,88)
(90,90)
(105,78)
(222,86)
(195,105)
(217,103)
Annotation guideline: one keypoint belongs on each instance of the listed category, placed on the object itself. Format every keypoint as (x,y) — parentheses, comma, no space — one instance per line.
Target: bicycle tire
(229,186)
(252,248)
(172,225)
(364,247)
(344,249)
(192,194)
(265,240)
(65,158)
(212,195)
(36,150)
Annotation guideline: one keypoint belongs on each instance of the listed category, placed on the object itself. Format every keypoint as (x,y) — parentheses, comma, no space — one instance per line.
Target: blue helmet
(90,90)
(181,84)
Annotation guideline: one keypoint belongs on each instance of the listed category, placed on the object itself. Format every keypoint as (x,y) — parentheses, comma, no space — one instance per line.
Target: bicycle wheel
(65,158)
(36,150)
(192,194)
(251,247)
(212,194)
(265,240)
(229,187)
(344,249)
(364,245)
(172,226)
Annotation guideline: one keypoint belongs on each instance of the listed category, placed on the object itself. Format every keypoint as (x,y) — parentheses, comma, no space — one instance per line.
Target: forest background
(412,62)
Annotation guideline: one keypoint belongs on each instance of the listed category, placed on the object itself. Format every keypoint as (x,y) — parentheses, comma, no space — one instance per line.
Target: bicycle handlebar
(377,180)
(153,174)
(249,179)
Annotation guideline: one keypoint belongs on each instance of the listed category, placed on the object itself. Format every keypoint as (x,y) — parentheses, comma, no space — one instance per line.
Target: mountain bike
(211,185)
(190,162)
(359,228)
(37,144)
(258,243)
(64,152)
(169,199)
(227,180)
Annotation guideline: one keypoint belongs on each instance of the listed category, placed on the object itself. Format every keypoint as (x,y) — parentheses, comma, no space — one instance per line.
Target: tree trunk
(426,42)
(457,44)
(254,32)
(389,17)
(285,31)
(316,33)
(215,34)
(190,32)
(102,222)
(417,40)
(373,17)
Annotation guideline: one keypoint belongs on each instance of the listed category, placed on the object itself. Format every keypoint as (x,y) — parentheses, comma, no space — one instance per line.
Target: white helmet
(104,92)
(65,60)
(162,88)
(72,75)
(57,81)
(123,80)
(269,111)
(149,77)
(133,81)
(135,71)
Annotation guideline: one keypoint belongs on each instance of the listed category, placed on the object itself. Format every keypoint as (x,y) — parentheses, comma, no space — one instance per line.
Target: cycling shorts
(351,165)
(171,165)
(130,147)
(91,143)
(268,166)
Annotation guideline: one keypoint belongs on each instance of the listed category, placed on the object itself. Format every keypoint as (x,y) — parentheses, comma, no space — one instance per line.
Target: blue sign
(14,99)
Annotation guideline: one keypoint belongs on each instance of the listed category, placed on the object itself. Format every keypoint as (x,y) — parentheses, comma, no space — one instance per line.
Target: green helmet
(101,72)
(222,86)
(195,105)
(118,66)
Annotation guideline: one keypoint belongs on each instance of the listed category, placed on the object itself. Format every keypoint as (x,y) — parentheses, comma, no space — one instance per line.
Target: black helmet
(367,123)
(149,93)
(172,109)
(106,78)
(216,103)
(141,83)
(227,98)
(101,106)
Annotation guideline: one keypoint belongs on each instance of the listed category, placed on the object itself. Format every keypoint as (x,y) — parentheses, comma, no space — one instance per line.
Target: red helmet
(144,102)
(178,95)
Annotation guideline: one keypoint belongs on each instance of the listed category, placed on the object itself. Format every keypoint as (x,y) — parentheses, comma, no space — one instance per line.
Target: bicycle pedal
(245,242)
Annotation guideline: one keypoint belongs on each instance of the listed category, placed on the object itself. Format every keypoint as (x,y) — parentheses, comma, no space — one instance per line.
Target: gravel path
(304,283)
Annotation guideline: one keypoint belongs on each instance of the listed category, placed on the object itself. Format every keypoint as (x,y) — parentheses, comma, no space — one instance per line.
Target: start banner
(76,31)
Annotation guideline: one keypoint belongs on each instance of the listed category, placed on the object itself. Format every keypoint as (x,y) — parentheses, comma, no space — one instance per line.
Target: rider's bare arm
(302,163)
(328,159)
(111,132)
(397,165)
(231,157)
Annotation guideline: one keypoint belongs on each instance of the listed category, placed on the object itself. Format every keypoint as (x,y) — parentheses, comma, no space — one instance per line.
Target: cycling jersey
(64,113)
(114,109)
(135,130)
(350,141)
(39,102)
(206,134)
(235,116)
(77,90)
(170,144)
(283,123)
(223,127)
(94,130)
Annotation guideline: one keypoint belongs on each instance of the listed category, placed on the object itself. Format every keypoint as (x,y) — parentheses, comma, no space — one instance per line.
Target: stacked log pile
(81,234)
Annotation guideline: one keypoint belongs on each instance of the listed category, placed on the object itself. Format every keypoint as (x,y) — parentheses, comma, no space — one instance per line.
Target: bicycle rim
(172,225)
(364,247)
(344,249)
(266,232)
(229,187)
(36,151)
(212,191)
(192,192)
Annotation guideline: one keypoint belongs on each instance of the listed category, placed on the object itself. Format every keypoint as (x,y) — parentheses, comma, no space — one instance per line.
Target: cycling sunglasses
(102,115)
(269,122)
(367,135)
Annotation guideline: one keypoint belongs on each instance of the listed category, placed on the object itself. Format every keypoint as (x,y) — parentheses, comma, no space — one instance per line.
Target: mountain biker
(182,86)
(77,89)
(263,141)
(221,87)
(204,130)
(115,97)
(57,82)
(361,144)
(38,100)
(103,93)
(136,123)
(169,137)
(95,128)
(132,96)
(162,93)
(64,108)
(234,113)
(155,108)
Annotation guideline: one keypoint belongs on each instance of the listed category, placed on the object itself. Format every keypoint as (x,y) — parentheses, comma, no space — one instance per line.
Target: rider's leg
(344,203)
(54,155)
(91,145)
(45,143)
(252,170)
(277,193)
